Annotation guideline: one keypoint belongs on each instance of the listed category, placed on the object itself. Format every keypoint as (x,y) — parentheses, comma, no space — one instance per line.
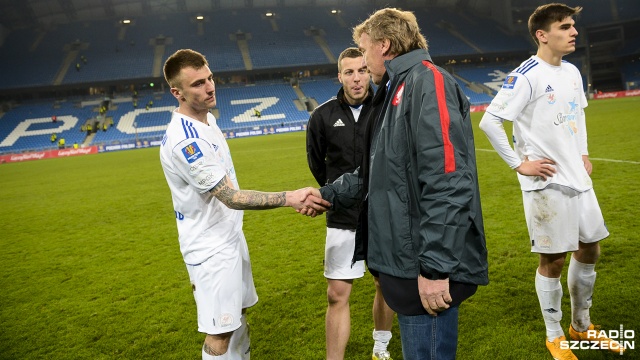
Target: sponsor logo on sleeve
(192,152)
(509,82)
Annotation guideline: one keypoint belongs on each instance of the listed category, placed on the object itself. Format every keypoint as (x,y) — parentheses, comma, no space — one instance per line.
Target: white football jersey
(546,103)
(194,158)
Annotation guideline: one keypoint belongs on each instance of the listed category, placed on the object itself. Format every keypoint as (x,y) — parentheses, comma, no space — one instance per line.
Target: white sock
(580,278)
(381,340)
(240,343)
(550,295)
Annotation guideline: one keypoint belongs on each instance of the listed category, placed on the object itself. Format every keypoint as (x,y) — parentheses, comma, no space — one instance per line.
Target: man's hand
(307,201)
(587,164)
(542,168)
(434,294)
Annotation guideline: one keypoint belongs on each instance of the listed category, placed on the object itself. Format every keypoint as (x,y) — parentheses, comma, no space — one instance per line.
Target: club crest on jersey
(398,96)
(192,152)
(551,98)
(509,82)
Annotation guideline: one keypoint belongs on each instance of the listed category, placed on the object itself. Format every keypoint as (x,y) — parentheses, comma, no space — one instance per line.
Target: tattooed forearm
(255,200)
(246,199)
(211,351)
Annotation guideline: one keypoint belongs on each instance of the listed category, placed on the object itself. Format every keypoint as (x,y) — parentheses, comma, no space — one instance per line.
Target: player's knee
(551,264)
(338,294)
(588,253)
(377,284)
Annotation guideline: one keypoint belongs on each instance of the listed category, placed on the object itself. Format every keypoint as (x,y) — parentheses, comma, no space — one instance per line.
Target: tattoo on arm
(209,350)
(246,199)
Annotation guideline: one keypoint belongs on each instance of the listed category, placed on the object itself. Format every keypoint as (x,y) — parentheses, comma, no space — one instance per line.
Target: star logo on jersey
(573,105)
(338,123)
(548,89)
(192,152)
(509,82)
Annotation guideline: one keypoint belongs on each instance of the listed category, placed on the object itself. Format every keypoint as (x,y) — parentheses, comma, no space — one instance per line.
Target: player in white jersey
(207,202)
(544,98)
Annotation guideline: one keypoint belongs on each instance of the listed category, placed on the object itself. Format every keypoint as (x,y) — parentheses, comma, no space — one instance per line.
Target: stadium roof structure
(43,13)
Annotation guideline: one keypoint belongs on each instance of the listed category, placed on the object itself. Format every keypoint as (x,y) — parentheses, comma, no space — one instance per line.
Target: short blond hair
(399,27)
(351,53)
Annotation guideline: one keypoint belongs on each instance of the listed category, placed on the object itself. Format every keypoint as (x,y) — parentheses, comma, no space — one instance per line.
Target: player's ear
(177,94)
(541,35)
(385,45)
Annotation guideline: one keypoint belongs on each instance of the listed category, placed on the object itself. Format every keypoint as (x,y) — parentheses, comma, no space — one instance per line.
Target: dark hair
(179,60)
(545,15)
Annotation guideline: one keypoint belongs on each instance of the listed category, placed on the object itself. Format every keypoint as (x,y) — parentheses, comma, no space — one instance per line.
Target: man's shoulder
(174,129)
(568,66)
(326,107)
(426,70)
(332,101)
(182,131)
(529,68)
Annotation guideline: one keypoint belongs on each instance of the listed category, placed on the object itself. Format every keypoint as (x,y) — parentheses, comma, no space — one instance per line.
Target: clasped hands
(307,201)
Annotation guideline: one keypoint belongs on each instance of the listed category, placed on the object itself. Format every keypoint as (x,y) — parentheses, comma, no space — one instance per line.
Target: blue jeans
(426,337)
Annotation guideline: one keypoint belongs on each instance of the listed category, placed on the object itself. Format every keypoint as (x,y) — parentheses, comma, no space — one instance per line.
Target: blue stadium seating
(320,89)
(35,120)
(20,66)
(236,106)
(115,51)
(490,76)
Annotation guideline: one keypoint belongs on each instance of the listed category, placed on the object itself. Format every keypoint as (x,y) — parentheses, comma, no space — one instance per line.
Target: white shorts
(559,217)
(338,254)
(222,287)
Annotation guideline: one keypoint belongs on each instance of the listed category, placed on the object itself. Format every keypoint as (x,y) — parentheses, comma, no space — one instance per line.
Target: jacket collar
(404,62)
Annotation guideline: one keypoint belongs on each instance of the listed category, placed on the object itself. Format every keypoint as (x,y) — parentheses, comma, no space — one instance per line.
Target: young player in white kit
(207,202)
(544,98)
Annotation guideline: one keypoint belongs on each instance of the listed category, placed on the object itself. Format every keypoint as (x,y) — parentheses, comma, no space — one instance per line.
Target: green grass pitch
(91,269)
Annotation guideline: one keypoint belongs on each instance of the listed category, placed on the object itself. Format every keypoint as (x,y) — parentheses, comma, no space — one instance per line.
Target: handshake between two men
(307,201)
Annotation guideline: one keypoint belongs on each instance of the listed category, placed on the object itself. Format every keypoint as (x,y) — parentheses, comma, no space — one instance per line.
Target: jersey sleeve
(198,163)
(512,98)
(494,129)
